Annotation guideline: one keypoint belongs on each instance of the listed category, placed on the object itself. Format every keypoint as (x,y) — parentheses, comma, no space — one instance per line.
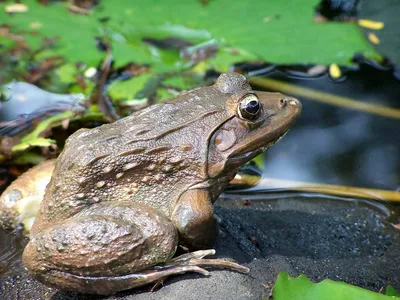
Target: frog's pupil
(253,107)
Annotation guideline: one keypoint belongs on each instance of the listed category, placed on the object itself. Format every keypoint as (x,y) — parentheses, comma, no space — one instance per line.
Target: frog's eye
(249,107)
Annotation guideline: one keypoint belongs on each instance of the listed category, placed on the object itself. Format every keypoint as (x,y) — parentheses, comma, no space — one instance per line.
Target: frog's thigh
(193,217)
(107,241)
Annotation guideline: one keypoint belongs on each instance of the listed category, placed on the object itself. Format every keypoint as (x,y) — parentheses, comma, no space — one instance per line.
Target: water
(342,146)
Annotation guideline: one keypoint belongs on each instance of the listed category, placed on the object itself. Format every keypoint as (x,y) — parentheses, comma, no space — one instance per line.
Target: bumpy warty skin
(148,157)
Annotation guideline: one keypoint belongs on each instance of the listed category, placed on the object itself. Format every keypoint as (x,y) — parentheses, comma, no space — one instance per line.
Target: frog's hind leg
(103,285)
(110,247)
(103,249)
(191,262)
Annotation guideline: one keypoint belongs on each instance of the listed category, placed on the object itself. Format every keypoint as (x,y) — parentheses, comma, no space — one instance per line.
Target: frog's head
(256,121)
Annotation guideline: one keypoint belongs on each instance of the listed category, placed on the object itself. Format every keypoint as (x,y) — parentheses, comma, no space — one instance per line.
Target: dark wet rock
(343,241)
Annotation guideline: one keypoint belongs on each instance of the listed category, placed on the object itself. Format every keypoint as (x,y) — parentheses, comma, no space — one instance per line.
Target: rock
(343,241)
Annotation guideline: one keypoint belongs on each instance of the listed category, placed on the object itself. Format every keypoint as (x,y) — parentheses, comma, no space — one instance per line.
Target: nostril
(283,102)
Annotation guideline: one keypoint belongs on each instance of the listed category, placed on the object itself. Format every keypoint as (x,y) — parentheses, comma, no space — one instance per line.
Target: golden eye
(249,107)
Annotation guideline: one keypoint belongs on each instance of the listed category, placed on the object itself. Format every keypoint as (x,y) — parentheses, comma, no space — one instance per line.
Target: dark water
(341,146)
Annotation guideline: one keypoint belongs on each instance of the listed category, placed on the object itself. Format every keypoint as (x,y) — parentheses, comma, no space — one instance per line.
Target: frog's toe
(196,258)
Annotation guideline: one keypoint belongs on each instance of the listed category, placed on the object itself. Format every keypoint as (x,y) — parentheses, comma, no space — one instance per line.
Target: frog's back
(150,157)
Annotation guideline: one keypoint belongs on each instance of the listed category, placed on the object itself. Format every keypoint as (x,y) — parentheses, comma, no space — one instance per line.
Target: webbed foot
(197,259)
(193,262)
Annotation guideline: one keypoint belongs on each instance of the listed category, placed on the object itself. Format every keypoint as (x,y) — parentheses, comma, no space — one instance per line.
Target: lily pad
(266,30)
(301,288)
(390,291)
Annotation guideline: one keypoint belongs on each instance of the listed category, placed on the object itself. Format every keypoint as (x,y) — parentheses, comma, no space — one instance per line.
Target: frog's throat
(237,158)
(246,156)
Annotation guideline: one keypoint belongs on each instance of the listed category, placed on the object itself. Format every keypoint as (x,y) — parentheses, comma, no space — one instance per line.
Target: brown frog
(124,195)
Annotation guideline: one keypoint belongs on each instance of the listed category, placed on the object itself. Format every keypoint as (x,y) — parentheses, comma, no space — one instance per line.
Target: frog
(124,196)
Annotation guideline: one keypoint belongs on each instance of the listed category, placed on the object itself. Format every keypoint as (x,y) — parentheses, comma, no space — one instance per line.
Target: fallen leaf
(371,24)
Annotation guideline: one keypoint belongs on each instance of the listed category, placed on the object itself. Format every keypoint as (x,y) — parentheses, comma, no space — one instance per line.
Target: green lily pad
(127,89)
(390,291)
(241,30)
(301,288)
(266,30)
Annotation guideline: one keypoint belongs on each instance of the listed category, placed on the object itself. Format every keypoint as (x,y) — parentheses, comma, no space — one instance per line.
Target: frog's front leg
(193,216)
